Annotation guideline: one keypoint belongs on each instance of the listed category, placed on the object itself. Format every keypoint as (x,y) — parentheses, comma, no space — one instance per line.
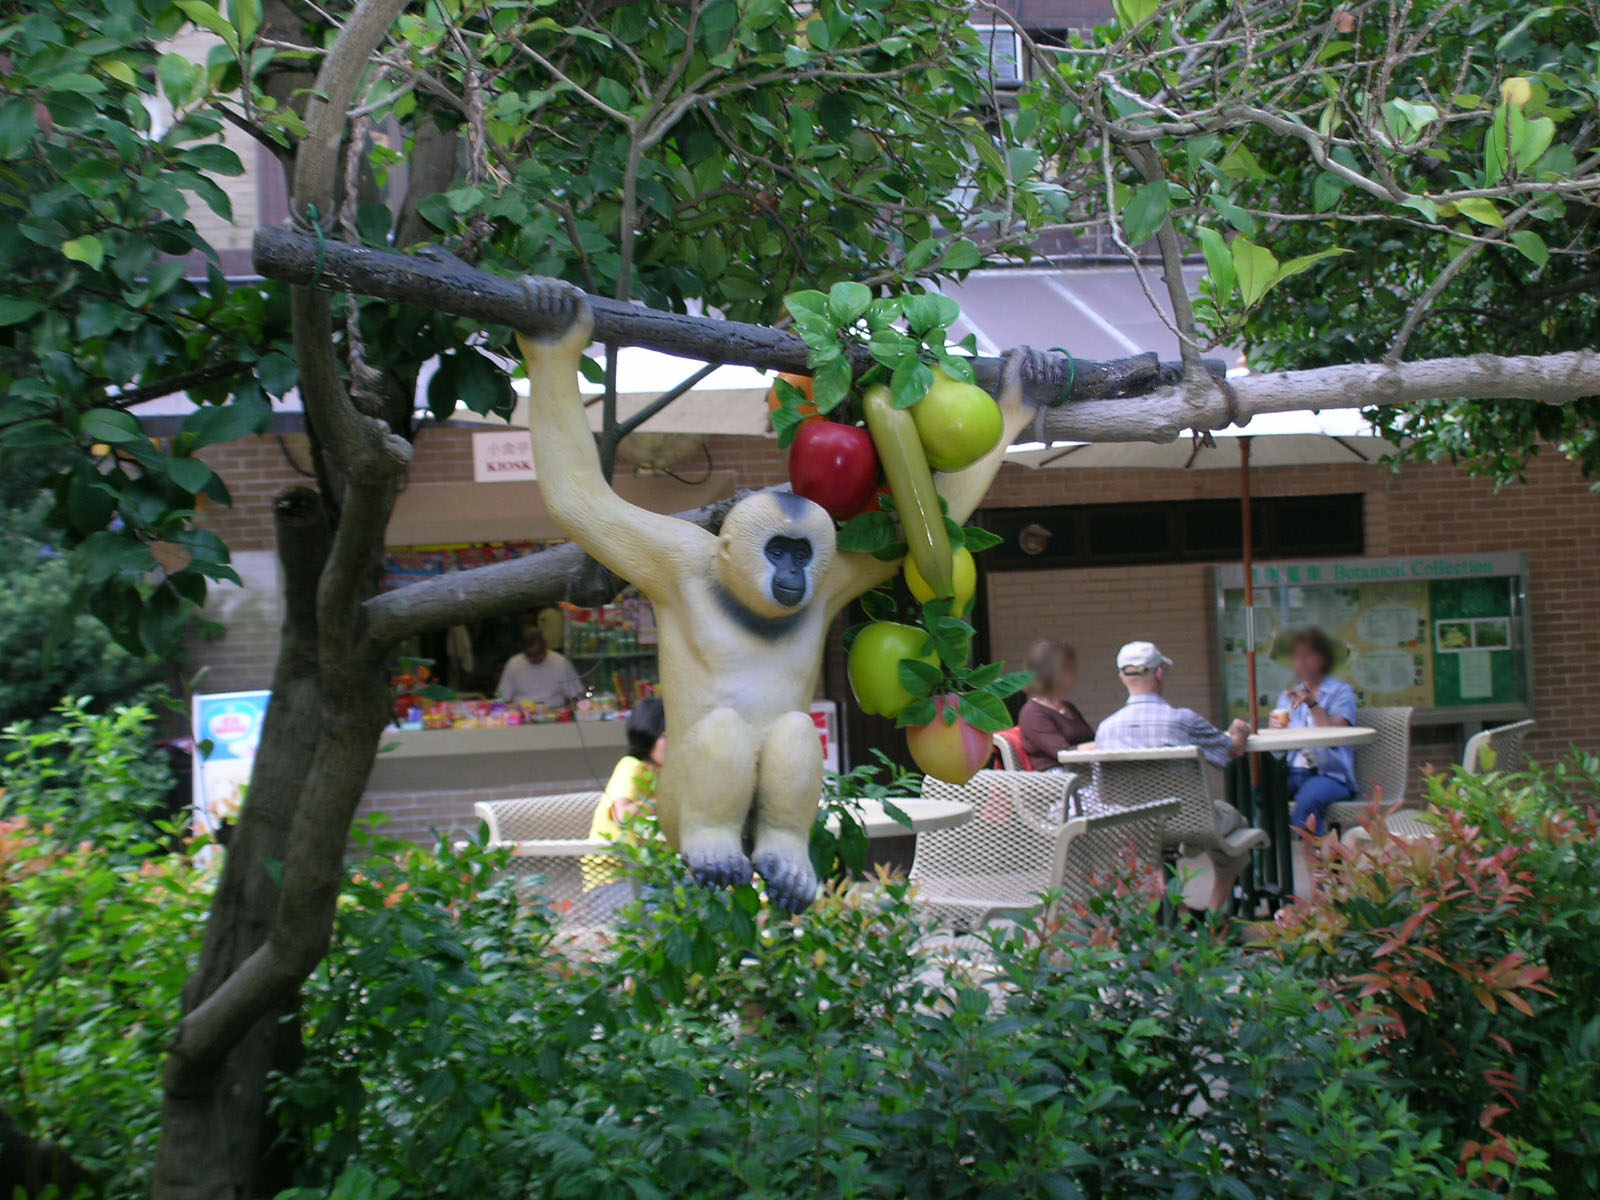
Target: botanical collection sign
(1438,633)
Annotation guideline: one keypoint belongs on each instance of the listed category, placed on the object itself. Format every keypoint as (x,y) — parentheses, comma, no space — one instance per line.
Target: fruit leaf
(867,534)
(847,303)
(880,605)
(807,304)
(918,677)
(977,539)
(958,535)
(831,383)
(893,552)
(986,711)
(984,676)
(852,632)
(953,640)
(918,712)
(911,382)
(786,423)
(1010,685)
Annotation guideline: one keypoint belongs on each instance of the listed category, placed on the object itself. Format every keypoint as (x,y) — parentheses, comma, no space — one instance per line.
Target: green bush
(1474,957)
(35,590)
(457,1046)
(97,927)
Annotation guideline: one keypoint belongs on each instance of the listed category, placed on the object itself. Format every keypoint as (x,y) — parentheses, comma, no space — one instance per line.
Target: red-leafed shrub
(1474,957)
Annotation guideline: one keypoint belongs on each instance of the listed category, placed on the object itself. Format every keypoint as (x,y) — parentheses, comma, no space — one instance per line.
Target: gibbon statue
(743,617)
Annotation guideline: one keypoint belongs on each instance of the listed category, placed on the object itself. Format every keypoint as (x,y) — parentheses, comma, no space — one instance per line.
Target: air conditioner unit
(1004,47)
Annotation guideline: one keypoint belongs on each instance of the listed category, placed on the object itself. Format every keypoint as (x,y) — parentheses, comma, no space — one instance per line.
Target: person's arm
(1219,748)
(622,789)
(1336,707)
(503,688)
(571,685)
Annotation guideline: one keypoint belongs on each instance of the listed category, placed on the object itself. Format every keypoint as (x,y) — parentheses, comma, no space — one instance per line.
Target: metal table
(1262,795)
(924,814)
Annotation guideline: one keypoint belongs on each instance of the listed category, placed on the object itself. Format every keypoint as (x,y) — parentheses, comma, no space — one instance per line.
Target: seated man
(1148,722)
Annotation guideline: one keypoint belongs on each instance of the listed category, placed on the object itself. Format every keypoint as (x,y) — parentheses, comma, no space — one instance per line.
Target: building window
(1107,535)
(1005,54)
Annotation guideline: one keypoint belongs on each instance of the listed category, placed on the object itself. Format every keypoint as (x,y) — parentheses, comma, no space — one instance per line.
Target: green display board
(1446,636)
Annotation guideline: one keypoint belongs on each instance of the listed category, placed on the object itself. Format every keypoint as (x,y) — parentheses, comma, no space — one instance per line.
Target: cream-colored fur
(737,685)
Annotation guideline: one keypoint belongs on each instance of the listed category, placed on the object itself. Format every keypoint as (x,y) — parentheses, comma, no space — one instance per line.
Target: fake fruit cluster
(913,412)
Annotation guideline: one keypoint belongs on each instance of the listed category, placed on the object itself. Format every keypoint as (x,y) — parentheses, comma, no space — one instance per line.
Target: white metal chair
(1383,766)
(1013,849)
(1506,741)
(1128,778)
(1008,745)
(549,836)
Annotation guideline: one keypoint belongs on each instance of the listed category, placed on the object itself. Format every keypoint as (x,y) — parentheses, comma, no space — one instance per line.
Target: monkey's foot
(716,860)
(786,869)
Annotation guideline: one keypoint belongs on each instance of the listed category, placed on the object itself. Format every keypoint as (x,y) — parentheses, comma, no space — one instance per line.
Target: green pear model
(957,423)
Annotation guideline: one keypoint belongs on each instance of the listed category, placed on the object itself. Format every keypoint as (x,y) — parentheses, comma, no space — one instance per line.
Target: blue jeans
(1312,794)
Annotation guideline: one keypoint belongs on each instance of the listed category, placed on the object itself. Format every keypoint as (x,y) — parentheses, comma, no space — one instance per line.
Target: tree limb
(449,285)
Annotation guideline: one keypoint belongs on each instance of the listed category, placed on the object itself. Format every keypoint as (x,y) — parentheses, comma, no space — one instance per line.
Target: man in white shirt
(539,674)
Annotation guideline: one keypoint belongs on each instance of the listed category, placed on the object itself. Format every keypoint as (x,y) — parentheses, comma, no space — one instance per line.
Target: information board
(1447,636)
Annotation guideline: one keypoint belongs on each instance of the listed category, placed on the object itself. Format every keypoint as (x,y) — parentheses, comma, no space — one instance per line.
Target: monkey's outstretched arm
(648,549)
(962,491)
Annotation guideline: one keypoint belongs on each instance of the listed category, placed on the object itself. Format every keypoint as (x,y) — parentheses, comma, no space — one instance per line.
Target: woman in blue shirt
(1317,778)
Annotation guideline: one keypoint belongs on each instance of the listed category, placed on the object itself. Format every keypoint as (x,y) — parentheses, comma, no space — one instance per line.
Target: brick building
(1420,511)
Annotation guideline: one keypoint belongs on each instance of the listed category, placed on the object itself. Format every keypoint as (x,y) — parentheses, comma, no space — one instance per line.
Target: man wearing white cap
(1148,722)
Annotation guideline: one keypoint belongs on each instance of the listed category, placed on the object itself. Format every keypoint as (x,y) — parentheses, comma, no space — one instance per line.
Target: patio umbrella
(1270,440)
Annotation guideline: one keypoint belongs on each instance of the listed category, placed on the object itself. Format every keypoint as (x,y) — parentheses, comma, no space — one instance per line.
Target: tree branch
(444,284)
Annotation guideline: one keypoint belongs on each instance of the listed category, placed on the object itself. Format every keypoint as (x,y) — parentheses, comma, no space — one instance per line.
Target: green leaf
(979,539)
(960,255)
(847,302)
(1482,210)
(1535,138)
(1532,246)
(207,17)
(985,711)
(911,381)
(246,18)
(1145,211)
(190,474)
(1133,13)
(919,712)
(1256,267)
(217,423)
(15,309)
(1296,265)
(18,125)
(831,383)
(1325,192)
(110,425)
(879,605)
(867,534)
(1218,262)
(1496,154)
(1230,212)
(918,678)
(86,249)
(214,159)
(786,423)
(1240,163)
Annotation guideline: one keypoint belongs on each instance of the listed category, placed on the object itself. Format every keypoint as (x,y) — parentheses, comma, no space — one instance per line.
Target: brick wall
(1421,510)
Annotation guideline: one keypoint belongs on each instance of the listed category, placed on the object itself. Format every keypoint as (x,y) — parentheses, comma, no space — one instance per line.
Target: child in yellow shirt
(631,790)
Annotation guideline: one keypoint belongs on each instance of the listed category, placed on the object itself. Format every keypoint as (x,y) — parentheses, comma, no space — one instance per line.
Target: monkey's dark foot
(716,862)
(791,881)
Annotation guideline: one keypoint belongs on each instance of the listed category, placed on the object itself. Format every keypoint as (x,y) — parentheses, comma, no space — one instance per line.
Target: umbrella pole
(1249,578)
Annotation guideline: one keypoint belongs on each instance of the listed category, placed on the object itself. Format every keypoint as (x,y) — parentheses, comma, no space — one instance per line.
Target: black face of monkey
(789,557)
(774,550)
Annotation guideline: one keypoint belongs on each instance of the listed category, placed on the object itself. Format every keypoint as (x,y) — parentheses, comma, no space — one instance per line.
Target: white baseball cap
(1140,658)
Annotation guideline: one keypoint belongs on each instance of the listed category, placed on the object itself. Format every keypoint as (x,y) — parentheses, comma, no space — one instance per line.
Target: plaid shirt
(1148,722)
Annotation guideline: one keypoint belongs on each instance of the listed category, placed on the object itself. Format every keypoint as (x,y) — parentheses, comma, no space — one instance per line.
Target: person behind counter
(539,675)
(631,791)
(1050,723)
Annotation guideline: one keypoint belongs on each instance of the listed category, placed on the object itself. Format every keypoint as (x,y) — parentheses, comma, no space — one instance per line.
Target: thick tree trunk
(217,1136)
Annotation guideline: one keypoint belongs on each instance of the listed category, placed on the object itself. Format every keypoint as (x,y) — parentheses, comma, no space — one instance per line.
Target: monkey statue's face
(774,548)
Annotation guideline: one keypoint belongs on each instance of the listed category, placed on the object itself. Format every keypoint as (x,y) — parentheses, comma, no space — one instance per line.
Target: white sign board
(227,729)
(825,716)
(502,456)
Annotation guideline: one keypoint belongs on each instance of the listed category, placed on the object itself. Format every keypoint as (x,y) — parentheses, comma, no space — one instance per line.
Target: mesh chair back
(1098,845)
(1383,767)
(564,815)
(1507,742)
(998,861)
(1129,778)
(1008,745)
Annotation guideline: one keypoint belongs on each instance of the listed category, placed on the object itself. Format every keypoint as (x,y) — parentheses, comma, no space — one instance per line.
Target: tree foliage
(1365,183)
